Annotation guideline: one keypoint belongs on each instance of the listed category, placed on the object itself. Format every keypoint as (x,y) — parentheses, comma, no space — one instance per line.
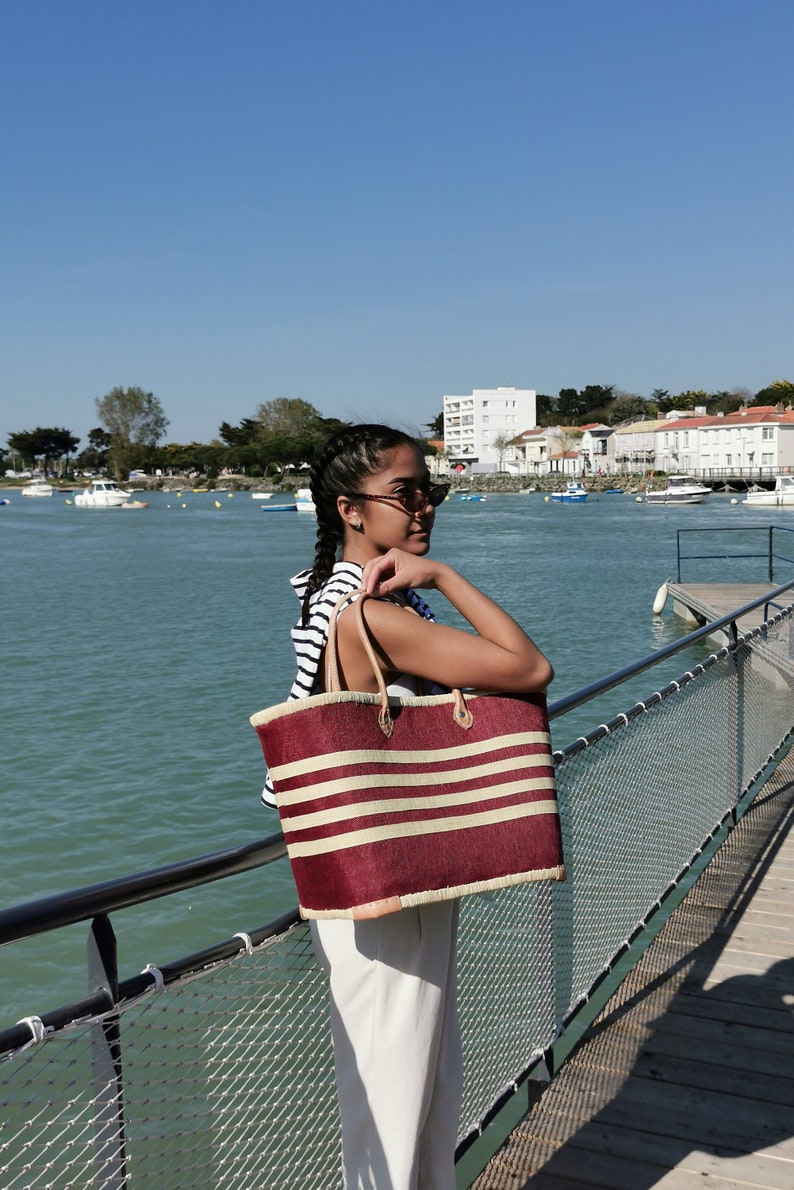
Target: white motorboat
(681,489)
(781,496)
(303,500)
(102,493)
(38,487)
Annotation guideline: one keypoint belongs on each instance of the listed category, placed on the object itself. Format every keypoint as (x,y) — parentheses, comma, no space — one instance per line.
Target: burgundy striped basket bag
(387,802)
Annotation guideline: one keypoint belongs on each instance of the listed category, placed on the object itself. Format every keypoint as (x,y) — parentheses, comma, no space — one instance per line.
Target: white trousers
(397,1052)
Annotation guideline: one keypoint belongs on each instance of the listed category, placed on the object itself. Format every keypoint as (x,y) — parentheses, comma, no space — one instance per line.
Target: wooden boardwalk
(701,603)
(687,1078)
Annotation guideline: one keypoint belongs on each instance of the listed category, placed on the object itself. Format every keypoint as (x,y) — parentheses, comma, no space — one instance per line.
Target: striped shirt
(309,639)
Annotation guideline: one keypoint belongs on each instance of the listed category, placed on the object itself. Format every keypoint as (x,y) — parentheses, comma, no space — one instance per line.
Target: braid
(347,459)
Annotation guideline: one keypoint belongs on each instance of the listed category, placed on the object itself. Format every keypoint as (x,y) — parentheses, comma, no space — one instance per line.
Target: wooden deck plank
(686,1075)
(703,602)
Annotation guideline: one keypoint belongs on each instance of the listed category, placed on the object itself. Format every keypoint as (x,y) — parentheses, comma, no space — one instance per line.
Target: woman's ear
(349,513)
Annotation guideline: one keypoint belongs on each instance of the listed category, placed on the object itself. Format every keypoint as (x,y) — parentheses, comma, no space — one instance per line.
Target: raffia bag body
(387,802)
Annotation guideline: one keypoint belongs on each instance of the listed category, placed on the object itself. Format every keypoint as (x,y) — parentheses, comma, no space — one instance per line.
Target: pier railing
(215,1069)
(772,537)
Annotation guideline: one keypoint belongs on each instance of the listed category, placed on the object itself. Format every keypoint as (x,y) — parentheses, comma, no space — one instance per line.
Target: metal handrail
(562,705)
(83,904)
(769,553)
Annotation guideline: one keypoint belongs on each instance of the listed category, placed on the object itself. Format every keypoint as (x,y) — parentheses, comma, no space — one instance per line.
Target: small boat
(261,495)
(681,489)
(781,496)
(474,497)
(613,491)
(280,507)
(574,494)
(4,501)
(135,504)
(38,487)
(102,493)
(303,500)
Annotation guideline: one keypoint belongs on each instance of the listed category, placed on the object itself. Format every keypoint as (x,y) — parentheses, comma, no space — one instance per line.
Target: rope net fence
(224,1077)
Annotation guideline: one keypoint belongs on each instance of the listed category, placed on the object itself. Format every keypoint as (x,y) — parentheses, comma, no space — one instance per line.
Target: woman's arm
(498,655)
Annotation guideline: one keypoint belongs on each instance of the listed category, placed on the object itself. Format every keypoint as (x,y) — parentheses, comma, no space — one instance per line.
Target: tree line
(288,432)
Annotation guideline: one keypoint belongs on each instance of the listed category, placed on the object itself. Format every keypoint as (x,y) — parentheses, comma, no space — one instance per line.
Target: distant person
(392,980)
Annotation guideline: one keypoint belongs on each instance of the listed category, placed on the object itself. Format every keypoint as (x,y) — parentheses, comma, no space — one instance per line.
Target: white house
(477,426)
(677,443)
(635,445)
(756,441)
(531,450)
(597,448)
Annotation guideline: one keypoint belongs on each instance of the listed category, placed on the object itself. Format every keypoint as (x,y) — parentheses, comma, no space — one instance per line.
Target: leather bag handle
(461,715)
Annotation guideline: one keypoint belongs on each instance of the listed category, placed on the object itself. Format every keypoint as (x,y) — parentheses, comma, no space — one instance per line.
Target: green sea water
(136,644)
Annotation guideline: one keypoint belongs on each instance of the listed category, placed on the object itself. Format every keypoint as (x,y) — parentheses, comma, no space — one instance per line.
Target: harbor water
(137,643)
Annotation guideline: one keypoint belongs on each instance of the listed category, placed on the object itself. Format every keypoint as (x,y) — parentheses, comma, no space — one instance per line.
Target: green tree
(49,444)
(435,427)
(95,455)
(624,408)
(779,392)
(136,422)
(286,417)
(545,407)
(691,398)
(247,432)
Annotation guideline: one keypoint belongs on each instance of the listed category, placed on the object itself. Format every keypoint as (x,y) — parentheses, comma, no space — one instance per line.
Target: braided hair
(348,458)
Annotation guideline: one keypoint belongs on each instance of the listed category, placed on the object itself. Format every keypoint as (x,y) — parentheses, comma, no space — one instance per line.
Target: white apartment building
(472,425)
(759,439)
(677,444)
(756,442)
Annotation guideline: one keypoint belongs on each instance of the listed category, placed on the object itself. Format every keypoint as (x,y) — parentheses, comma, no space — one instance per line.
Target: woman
(392,979)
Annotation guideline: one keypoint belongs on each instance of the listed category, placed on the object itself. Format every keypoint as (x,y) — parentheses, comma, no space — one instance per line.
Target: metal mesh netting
(226,1075)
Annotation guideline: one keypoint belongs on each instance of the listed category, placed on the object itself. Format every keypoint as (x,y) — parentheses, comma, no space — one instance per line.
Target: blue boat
(574,494)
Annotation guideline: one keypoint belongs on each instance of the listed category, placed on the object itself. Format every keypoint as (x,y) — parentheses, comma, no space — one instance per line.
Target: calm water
(137,643)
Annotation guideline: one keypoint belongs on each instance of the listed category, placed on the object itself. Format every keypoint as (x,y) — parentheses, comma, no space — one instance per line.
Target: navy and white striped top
(309,639)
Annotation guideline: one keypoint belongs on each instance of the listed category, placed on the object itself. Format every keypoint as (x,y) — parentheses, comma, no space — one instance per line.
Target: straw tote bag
(387,802)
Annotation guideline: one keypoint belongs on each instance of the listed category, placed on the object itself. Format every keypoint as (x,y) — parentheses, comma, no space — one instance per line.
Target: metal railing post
(106,1059)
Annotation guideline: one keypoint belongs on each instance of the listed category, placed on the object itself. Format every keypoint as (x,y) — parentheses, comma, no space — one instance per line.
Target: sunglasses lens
(437,494)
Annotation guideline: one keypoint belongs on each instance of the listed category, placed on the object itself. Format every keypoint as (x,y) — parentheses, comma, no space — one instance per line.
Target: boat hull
(769,500)
(781,496)
(677,497)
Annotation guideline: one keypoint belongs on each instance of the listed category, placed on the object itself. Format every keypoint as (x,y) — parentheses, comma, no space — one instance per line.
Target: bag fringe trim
(412,900)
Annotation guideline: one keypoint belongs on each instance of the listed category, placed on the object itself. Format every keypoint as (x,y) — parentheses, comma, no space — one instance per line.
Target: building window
(767,433)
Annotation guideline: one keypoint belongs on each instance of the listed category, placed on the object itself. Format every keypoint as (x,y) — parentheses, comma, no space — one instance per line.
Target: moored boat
(38,487)
(303,500)
(681,489)
(574,493)
(781,496)
(102,493)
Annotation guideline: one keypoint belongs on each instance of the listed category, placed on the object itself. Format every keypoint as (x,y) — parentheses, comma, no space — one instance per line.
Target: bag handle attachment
(461,714)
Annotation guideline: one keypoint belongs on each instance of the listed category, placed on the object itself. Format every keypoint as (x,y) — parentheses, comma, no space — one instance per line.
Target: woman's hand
(397,570)
(497,656)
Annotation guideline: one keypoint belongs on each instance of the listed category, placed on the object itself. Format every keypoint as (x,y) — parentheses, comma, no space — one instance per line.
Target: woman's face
(385,524)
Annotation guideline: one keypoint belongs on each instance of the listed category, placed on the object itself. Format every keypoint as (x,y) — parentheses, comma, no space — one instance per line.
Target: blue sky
(367,205)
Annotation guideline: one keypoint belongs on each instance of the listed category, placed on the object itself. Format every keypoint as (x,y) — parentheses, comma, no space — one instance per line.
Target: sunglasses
(413,501)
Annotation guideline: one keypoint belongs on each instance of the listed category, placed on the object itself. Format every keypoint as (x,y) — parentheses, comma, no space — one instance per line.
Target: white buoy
(734,500)
(660,600)
(638,499)
(546,499)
